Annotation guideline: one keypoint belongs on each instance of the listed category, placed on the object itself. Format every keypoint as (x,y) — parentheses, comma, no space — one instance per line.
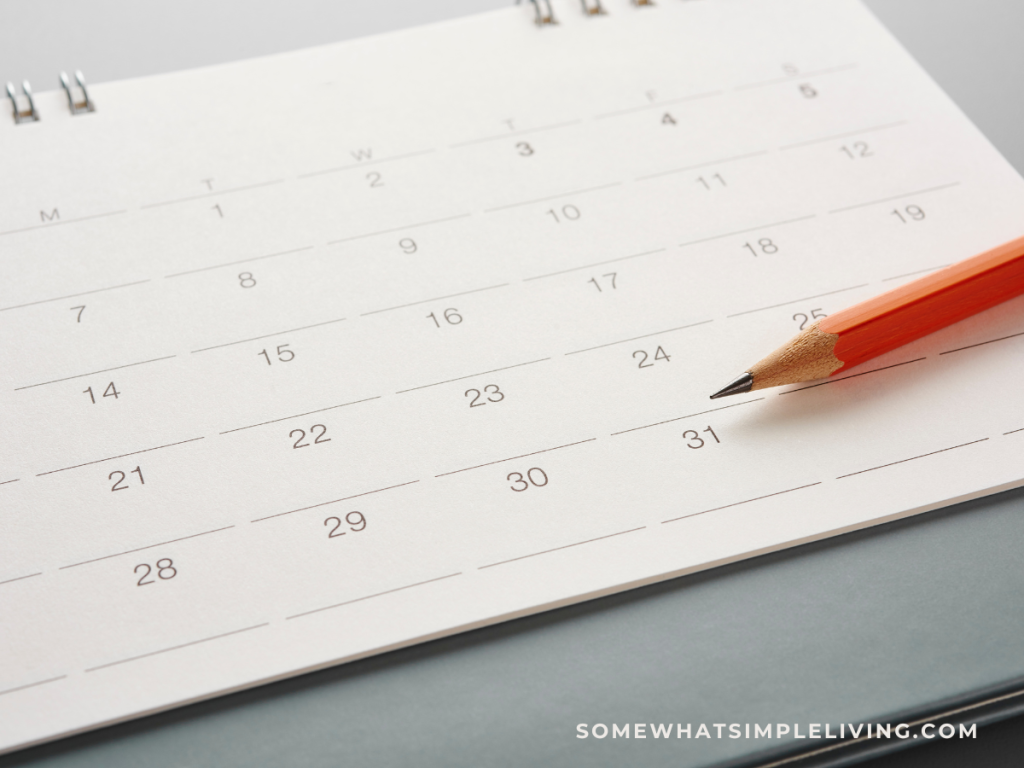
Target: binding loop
(540,17)
(77,107)
(593,10)
(29,115)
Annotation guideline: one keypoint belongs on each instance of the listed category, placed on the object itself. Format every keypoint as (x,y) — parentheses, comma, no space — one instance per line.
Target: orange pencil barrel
(929,304)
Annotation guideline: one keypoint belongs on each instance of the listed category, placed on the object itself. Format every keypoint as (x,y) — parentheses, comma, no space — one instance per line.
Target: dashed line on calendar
(595,264)
(120,456)
(376,594)
(637,338)
(364,163)
(74,295)
(399,229)
(583,191)
(848,134)
(982,343)
(297,415)
(240,261)
(471,376)
(33,685)
(660,103)
(178,647)
(912,458)
(513,458)
(148,546)
(738,503)
(21,578)
(687,416)
(334,501)
(917,272)
(214,193)
(269,335)
(797,301)
(79,220)
(559,549)
(853,376)
(436,298)
(93,373)
(722,161)
(512,134)
(797,76)
(748,229)
(897,197)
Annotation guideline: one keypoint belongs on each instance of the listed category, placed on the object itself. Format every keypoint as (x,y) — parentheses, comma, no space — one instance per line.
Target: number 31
(695,440)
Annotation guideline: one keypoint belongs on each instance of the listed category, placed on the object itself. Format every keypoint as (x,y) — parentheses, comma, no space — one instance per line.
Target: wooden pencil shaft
(809,355)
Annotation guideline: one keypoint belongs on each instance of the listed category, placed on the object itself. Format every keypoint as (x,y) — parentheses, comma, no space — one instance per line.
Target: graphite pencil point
(740,386)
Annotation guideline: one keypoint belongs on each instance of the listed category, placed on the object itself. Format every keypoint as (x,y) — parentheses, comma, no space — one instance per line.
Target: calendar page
(318,355)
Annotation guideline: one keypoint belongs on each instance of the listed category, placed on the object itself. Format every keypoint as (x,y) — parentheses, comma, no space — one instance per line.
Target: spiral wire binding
(77,107)
(544,14)
(29,115)
(540,17)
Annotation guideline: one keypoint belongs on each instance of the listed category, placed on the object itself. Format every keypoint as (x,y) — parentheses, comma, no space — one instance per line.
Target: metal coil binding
(540,17)
(544,14)
(77,107)
(29,115)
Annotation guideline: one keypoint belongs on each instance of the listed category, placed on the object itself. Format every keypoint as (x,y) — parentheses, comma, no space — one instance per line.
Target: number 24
(659,354)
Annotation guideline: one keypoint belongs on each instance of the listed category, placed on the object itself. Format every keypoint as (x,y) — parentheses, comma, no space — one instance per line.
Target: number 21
(119,483)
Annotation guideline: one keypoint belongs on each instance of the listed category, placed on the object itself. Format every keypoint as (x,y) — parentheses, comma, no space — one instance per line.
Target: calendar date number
(123,481)
(110,391)
(318,432)
(491,394)
(694,440)
(535,477)
(356,522)
(647,360)
(163,570)
(282,354)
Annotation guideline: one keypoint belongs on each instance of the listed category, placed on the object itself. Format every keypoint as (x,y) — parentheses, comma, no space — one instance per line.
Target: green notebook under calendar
(385,340)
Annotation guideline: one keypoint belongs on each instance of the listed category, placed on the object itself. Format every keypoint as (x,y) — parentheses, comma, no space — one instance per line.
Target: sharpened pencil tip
(741,385)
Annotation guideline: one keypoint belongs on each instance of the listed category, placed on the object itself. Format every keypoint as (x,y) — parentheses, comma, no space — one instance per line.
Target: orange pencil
(837,343)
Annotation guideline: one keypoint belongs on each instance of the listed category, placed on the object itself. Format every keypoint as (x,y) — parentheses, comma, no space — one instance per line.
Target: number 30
(535,476)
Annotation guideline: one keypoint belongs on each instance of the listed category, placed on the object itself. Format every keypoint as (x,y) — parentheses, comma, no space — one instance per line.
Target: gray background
(904,618)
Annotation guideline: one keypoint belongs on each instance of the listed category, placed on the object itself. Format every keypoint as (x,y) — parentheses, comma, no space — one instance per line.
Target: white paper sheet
(416,333)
